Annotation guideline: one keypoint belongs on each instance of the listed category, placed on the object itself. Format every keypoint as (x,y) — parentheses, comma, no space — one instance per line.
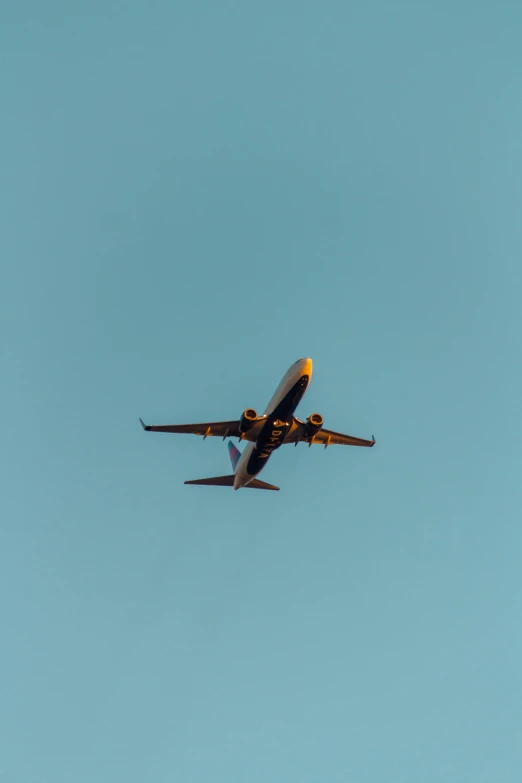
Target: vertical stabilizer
(235,454)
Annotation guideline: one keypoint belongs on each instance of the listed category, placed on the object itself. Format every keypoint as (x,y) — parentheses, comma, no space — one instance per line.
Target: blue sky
(194,196)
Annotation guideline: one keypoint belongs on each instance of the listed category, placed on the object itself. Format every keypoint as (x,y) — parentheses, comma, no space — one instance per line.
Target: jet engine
(313,425)
(248,418)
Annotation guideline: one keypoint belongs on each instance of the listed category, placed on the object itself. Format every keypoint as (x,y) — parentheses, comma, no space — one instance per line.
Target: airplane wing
(222,429)
(327,438)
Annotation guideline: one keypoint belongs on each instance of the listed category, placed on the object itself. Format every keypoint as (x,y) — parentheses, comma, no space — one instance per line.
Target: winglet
(145,426)
(373,440)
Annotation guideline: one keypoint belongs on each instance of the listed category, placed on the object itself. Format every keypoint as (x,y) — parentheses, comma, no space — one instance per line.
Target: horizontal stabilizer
(228,481)
(218,481)
(257,484)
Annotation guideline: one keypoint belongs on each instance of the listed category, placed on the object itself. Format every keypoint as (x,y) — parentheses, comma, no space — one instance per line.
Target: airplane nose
(303,367)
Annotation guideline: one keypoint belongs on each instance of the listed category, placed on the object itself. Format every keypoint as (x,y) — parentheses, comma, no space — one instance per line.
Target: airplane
(276,427)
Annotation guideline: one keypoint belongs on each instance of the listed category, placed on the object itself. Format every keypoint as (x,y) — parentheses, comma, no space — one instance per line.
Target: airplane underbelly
(275,424)
(272,436)
(278,424)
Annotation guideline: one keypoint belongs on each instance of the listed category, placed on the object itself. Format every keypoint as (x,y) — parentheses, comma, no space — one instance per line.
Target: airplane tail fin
(235,454)
(228,481)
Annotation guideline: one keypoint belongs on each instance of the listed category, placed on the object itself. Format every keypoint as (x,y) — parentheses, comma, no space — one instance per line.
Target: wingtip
(145,427)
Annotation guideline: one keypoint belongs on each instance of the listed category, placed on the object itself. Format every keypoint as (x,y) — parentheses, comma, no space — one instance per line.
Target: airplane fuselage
(278,418)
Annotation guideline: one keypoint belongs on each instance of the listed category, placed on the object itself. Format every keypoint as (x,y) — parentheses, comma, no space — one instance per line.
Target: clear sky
(194,195)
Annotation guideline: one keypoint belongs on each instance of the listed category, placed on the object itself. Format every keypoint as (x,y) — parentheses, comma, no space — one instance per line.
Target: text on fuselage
(273,440)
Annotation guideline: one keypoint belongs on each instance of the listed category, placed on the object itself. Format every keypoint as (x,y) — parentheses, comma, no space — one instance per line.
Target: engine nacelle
(313,425)
(246,421)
